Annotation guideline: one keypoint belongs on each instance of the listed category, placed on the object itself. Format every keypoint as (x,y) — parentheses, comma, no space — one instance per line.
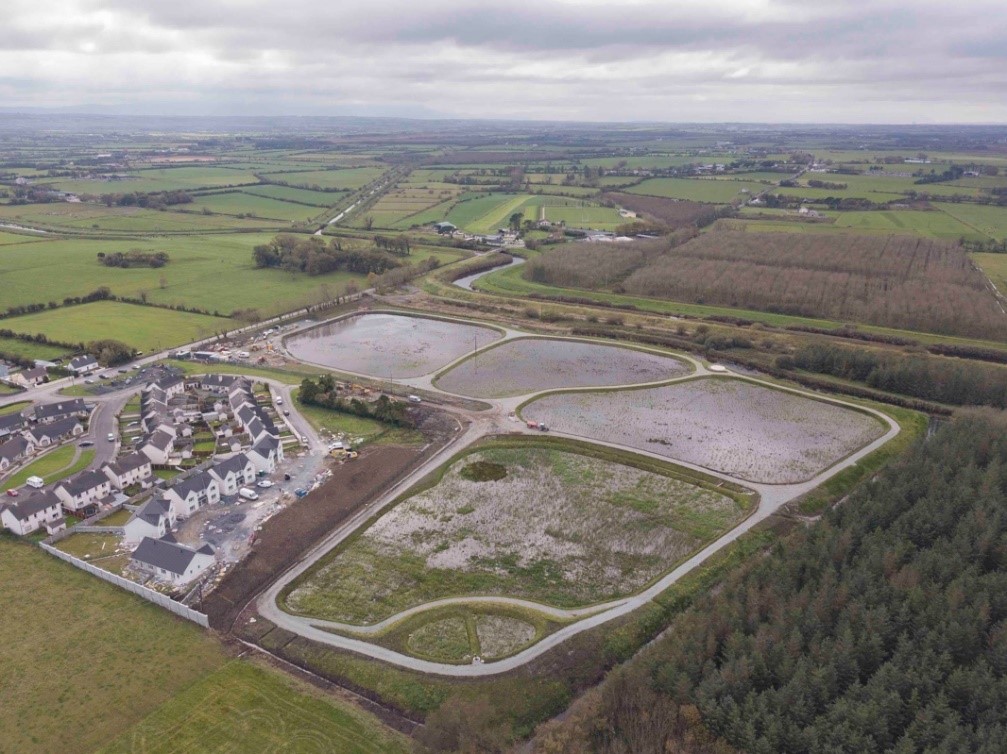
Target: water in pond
(389,345)
(528,365)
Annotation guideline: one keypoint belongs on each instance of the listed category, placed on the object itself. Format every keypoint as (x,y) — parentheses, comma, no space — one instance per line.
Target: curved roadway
(497,421)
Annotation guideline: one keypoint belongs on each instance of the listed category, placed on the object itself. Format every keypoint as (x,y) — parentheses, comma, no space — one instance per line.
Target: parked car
(286,477)
(265,484)
(85,443)
(279,400)
(300,492)
(111,437)
(248,494)
(286,413)
(12,493)
(415,399)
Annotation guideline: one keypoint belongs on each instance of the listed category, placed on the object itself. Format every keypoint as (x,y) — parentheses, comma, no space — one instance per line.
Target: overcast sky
(879,61)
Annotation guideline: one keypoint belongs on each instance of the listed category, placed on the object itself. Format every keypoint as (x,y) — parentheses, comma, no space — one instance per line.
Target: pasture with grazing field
(995,267)
(240,203)
(160,179)
(146,328)
(519,519)
(747,431)
(85,218)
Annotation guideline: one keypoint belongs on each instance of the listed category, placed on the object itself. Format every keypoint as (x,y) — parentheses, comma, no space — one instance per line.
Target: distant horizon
(637,61)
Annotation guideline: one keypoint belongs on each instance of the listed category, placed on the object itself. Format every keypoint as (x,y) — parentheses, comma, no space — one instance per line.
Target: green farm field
(320,199)
(214,272)
(984,220)
(930,224)
(144,327)
(31,350)
(81,218)
(240,203)
(486,212)
(247,707)
(83,648)
(161,179)
(347,178)
(697,189)
(995,267)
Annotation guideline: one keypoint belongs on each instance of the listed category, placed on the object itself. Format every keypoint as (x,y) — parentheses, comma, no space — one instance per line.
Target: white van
(248,494)
(35,481)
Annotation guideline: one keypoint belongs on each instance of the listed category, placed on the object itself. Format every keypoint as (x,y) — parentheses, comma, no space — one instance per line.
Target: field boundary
(131,586)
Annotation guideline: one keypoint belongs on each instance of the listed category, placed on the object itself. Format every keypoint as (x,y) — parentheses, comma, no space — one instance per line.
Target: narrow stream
(467,281)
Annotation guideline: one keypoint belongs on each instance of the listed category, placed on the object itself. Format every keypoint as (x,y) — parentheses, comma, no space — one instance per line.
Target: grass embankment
(53,466)
(81,649)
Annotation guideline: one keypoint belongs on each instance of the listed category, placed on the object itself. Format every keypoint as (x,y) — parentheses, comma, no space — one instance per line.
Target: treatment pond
(395,346)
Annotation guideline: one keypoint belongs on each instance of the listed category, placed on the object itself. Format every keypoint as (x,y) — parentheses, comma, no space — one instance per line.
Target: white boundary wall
(131,586)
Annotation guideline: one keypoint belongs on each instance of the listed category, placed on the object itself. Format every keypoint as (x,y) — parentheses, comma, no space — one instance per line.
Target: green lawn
(52,467)
(292,377)
(144,327)
(697,189)
(250,708)
(13,408)
(215,273)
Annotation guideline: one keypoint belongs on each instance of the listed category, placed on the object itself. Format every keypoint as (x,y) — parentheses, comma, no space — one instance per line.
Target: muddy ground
(285,537)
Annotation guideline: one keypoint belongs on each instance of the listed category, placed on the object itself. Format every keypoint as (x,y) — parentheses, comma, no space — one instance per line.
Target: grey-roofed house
(14,450)
(154,520)
(51,412)
(170,561)
(83,491)
(187,495)
(232,473)
(218,383)
(158,446)
(29,514)
(266,454)
(29,377)
(133,468)
(44,435)
(11,424)
(82,364)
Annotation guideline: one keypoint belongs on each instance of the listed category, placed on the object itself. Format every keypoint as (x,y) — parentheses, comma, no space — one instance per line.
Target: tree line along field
(83,650)
(892,281)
